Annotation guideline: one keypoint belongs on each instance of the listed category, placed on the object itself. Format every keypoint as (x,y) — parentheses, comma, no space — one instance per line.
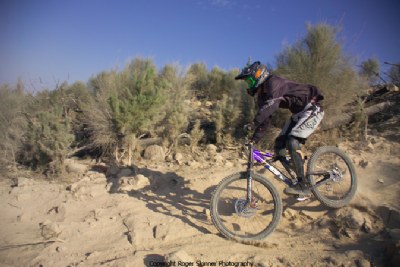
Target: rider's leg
(281,140)
(280,146)
(293,145)
(306,123)
(297,156)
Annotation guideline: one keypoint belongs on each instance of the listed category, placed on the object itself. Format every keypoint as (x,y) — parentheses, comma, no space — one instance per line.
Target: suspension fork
(250,166)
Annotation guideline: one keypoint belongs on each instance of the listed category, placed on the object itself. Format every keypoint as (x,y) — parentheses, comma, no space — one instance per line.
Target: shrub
(318,59)
(48,136)
(196,134)
(134,102)
(394,74)
(370,70)
(13,101)
(175,91)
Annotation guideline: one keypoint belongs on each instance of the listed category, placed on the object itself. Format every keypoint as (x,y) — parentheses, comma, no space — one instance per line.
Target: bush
(175,90)
(232,112)
(137,101)
(394,74)
(370,70)
(13,101)
(48,135)
(318,59)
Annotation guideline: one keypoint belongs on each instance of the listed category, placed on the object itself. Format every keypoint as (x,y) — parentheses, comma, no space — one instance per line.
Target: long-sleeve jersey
(277,92)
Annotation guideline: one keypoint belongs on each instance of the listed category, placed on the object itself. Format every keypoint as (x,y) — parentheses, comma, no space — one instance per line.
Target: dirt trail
(151,215)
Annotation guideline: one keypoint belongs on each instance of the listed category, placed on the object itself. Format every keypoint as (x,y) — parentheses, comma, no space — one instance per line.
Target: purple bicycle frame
(262,157)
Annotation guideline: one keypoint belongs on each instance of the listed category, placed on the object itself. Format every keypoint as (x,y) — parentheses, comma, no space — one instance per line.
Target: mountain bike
(246,206)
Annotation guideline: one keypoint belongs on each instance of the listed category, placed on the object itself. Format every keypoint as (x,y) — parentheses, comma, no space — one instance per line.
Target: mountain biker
(302,100)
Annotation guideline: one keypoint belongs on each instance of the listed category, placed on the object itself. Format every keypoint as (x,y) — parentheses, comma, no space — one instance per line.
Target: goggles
(251,82)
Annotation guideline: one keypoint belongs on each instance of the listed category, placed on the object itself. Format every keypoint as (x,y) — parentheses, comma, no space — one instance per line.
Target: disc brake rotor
(336,175)
(243,209)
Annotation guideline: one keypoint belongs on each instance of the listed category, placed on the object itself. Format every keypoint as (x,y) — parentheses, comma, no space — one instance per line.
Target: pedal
(302,198)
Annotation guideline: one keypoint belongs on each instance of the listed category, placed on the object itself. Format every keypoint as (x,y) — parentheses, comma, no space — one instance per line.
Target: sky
(46,42)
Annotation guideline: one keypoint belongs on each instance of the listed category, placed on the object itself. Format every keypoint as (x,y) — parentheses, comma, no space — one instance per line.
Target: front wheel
(237,219)
(332,176)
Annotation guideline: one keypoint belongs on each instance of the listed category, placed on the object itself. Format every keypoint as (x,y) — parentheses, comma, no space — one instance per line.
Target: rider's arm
(263,117)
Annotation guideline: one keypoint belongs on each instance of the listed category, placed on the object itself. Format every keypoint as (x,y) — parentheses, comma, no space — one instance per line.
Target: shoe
(298,189)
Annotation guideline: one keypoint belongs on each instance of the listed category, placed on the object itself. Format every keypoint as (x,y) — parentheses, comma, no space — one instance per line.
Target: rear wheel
(237,219)
(332,176)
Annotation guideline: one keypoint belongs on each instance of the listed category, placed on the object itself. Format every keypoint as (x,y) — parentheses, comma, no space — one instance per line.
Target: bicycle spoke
(332,176)
(245,221)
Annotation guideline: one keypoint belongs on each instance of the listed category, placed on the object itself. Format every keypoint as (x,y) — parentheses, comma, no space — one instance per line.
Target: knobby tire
(325,158)
(269,218)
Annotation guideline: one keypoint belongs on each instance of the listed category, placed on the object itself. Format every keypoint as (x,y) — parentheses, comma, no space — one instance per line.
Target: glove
(248,129)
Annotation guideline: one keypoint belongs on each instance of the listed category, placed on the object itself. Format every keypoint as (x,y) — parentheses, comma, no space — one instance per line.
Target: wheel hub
(336,175)
(243,209)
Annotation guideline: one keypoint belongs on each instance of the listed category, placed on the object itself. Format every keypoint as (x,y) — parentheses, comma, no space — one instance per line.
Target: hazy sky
(48,41)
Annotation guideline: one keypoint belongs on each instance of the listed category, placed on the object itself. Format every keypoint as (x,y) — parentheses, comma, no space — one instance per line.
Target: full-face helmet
(254,74)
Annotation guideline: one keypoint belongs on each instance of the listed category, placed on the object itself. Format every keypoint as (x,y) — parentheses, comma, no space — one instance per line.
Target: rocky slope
(157,214)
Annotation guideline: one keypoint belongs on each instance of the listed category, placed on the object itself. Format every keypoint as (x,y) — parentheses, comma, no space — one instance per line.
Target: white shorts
(305,122)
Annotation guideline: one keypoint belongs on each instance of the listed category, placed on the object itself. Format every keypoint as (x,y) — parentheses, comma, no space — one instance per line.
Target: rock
(393,88)
(211,150)
(133,182)
(129,223)
(72,166)
(197,104)
(179,158)
(194,164)
(49,229)
(180,256)
(367,226)
(363,163)
(161,231)
(141,181)
(154,152)
(207,212)
(218,158)
(73,187)
(60,249)
(208,104)
(96,176)
(352,218)
(381,181)
(371,146)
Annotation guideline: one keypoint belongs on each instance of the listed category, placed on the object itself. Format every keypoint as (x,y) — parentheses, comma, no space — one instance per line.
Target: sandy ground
(158,215)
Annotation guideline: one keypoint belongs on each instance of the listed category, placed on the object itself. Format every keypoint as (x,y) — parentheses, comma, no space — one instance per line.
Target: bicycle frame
(264,159)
